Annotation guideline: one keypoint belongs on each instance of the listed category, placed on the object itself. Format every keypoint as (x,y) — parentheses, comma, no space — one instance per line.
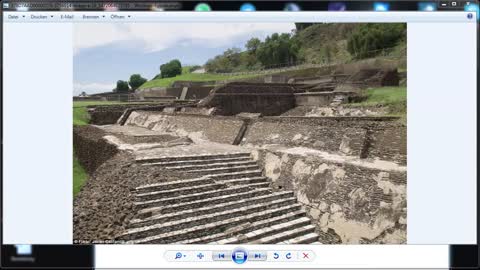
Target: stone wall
(366,137)
(90,147)
(387,144)
(276,79)
(196,110)
(109,114)
(238,97)
(375,77)
(319,98)
(198,92)
(378,63)
(351,201)
(314,99)
(215,129)
(105,117)
(87,98)
(194,92)
(181,84)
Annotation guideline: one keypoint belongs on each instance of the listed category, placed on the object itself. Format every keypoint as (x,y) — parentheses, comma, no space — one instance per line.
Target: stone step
(163,194)
(272,230)
(222,170)
(199,161)
(202,202)
(224,237)
(192,157)
(192,197)
(212,165)
(254,185)
(212,227)
(244,181)
(174,184)
(235,175)
(286,195)
(310,238)
(286,235)
(183,224)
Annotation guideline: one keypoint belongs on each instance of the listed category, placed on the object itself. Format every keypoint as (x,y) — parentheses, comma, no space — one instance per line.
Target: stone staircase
(230,202)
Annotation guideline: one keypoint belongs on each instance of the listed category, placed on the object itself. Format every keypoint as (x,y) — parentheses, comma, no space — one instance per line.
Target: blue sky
(105,53)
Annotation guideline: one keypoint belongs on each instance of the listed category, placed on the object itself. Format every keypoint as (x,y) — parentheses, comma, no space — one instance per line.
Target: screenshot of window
(227,134)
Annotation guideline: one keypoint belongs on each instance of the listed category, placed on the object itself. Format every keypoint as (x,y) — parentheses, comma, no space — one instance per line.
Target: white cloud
(159,36)
(91,88)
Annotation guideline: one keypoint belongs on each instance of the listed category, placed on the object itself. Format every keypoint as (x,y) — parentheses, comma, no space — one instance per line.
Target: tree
(233,57)
(227,62)
(171,69)
(368,39)
(252,45)
(136,81)
(301,26)
(122,86)
(278,49)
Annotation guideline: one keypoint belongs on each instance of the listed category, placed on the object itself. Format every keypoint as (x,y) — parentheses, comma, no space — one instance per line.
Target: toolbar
(125,16)
(240,255)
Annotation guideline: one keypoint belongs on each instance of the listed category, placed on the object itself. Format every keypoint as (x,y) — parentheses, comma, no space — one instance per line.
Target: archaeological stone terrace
(252,162)
(288,181)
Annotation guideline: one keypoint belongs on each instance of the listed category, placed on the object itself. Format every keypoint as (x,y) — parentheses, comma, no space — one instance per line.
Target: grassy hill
(328,42)
(197,77)
(319,43)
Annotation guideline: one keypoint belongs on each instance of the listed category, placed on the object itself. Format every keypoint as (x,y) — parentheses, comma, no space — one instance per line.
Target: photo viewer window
(199,135)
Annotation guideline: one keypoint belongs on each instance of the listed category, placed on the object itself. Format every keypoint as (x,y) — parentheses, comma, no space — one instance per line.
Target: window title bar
(286,5)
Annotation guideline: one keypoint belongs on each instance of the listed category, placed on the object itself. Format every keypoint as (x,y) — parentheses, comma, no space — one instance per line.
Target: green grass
(79,175)
(77,104)
(385,96)
(80,116)
(395,98)
(186,69)
(197,77)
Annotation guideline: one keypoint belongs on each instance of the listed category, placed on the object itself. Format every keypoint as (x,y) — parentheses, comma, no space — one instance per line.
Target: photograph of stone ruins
(241,133)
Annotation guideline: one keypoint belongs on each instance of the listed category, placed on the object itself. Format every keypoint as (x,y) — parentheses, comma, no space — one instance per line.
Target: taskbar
(83,256)
(47,257)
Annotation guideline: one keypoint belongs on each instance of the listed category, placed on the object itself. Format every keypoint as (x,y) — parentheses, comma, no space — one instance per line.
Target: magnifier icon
(178,255)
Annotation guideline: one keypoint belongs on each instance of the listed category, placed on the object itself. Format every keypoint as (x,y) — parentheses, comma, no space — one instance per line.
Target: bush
(171,69)
(136,81)
(122,86)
